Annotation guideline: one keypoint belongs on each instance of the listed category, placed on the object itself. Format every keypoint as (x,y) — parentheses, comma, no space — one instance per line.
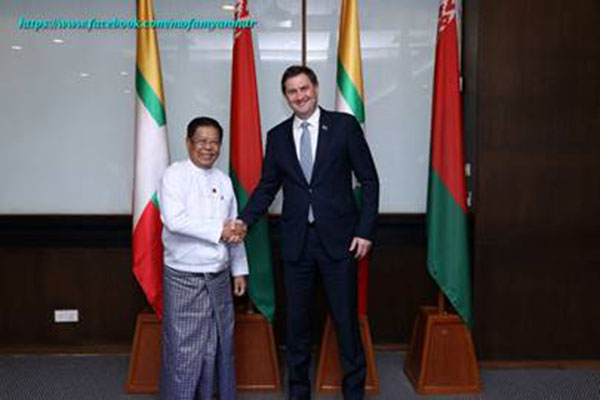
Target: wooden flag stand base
(144,362)
(257,365)
(441,357)
(329,371)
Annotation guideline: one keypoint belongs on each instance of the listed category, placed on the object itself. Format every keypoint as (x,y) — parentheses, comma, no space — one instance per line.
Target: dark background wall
(533,117)
(59,262)
(52,262)
(532,120)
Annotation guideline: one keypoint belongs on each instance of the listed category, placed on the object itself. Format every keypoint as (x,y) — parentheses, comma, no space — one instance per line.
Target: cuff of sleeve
(239,267)
(239,271)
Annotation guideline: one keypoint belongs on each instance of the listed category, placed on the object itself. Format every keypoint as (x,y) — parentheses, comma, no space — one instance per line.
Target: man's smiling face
(302,95)
(204,147)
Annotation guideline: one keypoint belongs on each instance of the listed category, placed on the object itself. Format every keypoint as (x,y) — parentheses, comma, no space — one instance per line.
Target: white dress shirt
(194,203)
(313,131)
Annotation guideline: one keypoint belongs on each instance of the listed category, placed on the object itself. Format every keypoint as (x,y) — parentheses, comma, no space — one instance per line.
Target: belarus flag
(447,235)
(246,160)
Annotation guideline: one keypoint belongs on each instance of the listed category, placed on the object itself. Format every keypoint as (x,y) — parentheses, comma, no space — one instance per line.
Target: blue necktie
(306,160)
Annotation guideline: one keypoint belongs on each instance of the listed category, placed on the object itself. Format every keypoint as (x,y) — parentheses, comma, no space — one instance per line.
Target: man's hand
(239,285)
(240,229)
(227,232)
(234,231)
(361,246)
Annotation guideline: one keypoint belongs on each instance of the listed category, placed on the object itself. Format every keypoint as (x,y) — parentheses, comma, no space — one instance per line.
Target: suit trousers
(339,279)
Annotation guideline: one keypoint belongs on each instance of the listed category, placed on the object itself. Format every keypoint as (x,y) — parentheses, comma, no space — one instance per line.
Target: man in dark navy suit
(313,155)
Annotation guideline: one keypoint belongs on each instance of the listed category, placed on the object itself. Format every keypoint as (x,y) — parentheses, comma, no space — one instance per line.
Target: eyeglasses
(205,143)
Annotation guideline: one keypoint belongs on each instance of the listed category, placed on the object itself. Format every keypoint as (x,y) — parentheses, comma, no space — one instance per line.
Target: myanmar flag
(246,159)
(447,234)
(151,160)
(349,98)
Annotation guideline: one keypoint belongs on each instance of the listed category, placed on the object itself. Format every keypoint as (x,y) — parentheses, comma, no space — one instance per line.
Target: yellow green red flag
(151,160)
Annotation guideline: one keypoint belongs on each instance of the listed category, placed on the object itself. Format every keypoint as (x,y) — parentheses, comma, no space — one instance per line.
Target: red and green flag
(151,160)
(246,157)
(349,98)
(447,229)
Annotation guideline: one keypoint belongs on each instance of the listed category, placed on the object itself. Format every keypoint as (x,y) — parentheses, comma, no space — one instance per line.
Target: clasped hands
(234,231)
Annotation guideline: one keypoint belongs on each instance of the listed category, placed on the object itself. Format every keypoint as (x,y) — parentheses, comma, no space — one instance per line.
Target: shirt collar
(199,170)
(313,120)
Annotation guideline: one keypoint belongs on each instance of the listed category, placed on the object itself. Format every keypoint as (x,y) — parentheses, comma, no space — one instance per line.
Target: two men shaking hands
(234,231)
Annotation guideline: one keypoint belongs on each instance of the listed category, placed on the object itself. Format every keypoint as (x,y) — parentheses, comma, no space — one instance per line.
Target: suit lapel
(322,145)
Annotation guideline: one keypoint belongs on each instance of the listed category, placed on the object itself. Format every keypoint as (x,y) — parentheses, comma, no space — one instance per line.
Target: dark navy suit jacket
(341,150)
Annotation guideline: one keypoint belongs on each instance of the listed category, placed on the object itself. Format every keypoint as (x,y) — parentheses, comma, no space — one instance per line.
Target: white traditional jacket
(194,203)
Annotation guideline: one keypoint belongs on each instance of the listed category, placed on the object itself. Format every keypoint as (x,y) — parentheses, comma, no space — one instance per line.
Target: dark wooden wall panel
(533,118)
(66,262)
(399,282)
(537,301)
(34,282)
(54,262)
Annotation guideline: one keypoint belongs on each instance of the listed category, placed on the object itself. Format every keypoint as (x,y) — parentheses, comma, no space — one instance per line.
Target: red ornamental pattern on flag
(447,14)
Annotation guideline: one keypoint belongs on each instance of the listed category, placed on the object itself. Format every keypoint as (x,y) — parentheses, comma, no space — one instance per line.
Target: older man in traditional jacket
(202,250)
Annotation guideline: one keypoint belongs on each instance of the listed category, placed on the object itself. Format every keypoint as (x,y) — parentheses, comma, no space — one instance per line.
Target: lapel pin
(324,127)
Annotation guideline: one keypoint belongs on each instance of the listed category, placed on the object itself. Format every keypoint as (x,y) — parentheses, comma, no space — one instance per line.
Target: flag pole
(441,303)
(304,32)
